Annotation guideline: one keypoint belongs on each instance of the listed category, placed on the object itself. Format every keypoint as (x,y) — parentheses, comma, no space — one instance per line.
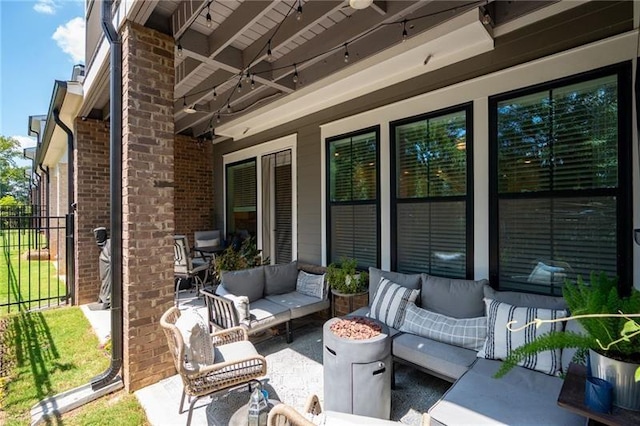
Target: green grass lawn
(47,352)
(23,280)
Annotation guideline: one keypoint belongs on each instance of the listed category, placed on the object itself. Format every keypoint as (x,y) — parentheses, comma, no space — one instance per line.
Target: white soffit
(68,112)
(457,39)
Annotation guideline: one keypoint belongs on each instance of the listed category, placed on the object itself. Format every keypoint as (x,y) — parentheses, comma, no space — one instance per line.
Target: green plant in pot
(344,277)
(611,335)
(248,256)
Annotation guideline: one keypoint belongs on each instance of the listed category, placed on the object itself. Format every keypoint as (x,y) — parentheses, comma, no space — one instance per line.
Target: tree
(13,179)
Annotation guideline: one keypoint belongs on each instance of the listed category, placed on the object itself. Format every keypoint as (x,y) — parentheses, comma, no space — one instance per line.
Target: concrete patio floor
(294,373)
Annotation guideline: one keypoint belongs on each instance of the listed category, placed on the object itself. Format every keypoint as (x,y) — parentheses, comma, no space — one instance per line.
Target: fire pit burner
(356,328)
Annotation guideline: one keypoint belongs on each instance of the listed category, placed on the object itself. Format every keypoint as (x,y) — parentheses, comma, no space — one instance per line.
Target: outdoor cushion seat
(265,313)
(234,351)
(299,304)
(441,359)
(522,397)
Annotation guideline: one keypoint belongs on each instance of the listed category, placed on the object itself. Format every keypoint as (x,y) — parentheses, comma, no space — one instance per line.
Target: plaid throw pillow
(501,341)
(390,302)
(467,333)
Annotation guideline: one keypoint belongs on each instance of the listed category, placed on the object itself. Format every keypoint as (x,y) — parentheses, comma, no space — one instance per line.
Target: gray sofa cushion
(444,360)
(279,279)
(265,313)
(411,281)
(453,297)
(522,397)
(299,304)
(246,282)
(527,300)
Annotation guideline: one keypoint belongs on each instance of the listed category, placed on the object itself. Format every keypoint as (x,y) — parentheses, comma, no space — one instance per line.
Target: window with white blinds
(352,208)
(558,197)
(241,183)
(431,196)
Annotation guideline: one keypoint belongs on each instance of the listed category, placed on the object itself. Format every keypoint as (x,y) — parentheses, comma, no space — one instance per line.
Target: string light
(218,118)
(299,12)
(253,83)
(179,48)
(240,85)
(228,107)
(247,76)
(404,31)
(209,22)
(486,18)
(346,53)
(215,95)
(269,54)
(295,73)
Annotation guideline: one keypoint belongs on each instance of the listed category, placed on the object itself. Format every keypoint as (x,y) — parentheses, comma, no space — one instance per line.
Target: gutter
(115,145)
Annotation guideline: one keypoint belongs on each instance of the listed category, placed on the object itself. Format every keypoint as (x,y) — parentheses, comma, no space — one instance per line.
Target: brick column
(194,186)
(148,202)
(91,187)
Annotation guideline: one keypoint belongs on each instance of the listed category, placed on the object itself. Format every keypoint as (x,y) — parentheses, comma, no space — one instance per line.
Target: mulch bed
(356,328)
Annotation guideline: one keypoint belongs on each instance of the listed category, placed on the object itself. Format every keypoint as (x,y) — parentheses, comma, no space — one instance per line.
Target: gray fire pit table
(357,373)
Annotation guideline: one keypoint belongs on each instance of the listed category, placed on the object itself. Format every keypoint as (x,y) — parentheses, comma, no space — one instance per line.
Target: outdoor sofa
(265,296)
(453,314)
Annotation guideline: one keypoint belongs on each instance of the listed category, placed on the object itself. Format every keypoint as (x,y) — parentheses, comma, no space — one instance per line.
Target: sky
(40,41)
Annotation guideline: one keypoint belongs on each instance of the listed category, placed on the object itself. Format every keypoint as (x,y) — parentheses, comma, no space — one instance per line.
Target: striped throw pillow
(469,333)
(390,302)
(501,341)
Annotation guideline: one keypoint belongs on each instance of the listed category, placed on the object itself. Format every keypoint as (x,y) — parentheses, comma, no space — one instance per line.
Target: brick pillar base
(148,202)
(91,157)
(345,304)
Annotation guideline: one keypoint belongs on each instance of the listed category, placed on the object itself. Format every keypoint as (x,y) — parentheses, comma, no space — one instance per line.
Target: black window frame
(226,189)
(329,203)
(623,192)
(468,198)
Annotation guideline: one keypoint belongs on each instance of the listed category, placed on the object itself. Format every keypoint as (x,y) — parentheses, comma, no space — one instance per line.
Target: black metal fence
(36,258)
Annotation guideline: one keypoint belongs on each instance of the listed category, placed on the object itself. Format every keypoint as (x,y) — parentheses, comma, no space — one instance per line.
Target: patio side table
(572,398)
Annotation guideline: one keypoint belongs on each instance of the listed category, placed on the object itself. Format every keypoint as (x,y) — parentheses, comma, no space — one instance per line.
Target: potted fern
(348,286)
(610,335)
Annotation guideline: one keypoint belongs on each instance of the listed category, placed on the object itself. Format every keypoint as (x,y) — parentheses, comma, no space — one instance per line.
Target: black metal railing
(34,259)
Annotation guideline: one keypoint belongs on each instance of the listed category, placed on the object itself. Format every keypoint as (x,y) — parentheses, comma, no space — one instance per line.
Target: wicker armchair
(241,366)
(285,415)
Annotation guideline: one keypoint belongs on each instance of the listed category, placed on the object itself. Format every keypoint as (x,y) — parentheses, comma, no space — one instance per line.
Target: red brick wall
(193,171)
(91,184)
(148,202)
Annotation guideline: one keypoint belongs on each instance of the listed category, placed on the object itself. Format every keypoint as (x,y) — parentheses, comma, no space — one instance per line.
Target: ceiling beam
(185,14)
(345,30)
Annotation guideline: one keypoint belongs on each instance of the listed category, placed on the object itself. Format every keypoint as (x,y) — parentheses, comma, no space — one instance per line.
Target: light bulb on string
(346,53)
(218,118)
(228,107)
(253,83)
(486,17)
(295,73)
(179,48)
(404,31)
(215,95)
(299,12)
(209,21)
(269,54)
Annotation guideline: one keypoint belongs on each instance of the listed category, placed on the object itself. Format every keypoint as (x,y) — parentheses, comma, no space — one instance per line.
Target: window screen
(352,180)
(558,197)
(431,194)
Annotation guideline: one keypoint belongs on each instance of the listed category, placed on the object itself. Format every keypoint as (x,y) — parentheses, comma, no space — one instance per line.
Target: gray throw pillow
(528,300)
(453,297)
(280,279)
(411,281)
(246,282)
